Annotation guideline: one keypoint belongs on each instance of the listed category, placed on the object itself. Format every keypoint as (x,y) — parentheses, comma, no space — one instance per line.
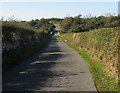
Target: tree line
(79,24)
(18,33)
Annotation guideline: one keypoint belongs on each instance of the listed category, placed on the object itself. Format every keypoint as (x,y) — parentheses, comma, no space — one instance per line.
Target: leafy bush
(78,24)
(19,41)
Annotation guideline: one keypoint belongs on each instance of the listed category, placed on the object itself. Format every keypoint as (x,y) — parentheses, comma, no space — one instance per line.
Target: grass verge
(102,81)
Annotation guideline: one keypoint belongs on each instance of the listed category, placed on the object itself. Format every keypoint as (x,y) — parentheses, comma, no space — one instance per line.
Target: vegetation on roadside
(101,78)
(98,43)
(20,39)
(43,25)
(100,49)
(79,24)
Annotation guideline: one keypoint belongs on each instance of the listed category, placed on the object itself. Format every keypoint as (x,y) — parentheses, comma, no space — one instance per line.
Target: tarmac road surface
(57,68)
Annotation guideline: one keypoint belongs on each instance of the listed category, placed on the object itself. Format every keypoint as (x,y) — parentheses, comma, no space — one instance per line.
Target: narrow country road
(57,68)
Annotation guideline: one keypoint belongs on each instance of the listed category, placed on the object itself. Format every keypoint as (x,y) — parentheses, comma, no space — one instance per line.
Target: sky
(37,10)
(59,0)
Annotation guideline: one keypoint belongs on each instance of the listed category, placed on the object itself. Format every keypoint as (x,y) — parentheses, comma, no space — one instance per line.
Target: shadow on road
(33,74)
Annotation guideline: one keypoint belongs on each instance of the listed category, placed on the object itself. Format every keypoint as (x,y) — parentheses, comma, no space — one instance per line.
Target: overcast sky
(37,10)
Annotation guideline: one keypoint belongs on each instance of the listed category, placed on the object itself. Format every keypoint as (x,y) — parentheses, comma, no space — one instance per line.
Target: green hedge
(101,44)
(21,32)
